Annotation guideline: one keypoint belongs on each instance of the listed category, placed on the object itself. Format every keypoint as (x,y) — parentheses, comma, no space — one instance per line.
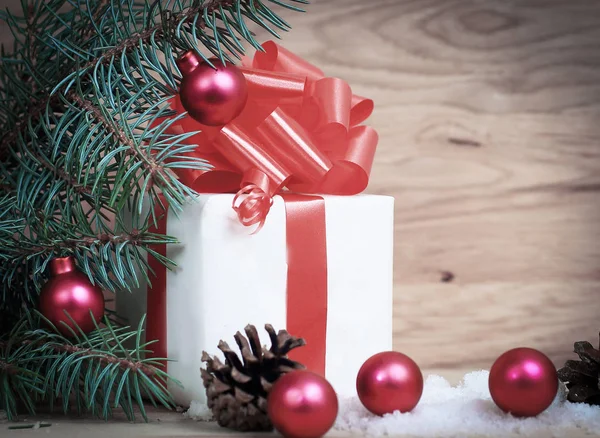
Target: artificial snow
(199,412)
(463,410)
(466,409)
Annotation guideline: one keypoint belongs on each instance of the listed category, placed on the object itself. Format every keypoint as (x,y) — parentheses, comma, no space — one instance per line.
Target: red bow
(298,131)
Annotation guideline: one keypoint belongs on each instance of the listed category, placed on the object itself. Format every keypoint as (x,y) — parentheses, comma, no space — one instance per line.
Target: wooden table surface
(489,119)
(172,425)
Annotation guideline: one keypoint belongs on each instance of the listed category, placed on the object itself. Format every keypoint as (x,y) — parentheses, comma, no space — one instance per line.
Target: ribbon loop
(299,130)
(252,206)
(291,145)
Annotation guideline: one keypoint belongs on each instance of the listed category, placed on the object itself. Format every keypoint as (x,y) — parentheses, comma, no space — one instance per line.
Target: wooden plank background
(489,117)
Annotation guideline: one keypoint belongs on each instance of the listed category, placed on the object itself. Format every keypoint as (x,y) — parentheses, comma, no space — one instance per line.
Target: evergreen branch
(33,115)
(135,238)
(125,363)
(86,132)
(36,105)
(157,31)
(62,175)
(101,9)
(150,164)
(114,261)
(19,378)
(30,34)
(93,372)
(35,153)
(120,49)
(151,33)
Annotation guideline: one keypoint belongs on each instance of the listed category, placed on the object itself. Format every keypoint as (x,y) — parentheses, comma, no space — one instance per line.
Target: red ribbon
(156,294)
(307,277)
(299,131)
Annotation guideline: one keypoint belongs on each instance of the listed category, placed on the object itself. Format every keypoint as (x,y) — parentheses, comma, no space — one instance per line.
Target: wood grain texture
(489,118)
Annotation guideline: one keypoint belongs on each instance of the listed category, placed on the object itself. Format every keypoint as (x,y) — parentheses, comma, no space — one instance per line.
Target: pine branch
(38,106)
(100,49)
(151,166)
(18,381)
(113,260)
(157,31)
(62,175)
(134,238)
(30,34)
(112,257)
(84,121)
(126,363)
(154,33)
(101,9)
(93,373)
(32,116)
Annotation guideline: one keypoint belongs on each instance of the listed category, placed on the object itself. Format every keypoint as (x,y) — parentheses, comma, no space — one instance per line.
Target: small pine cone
(237,389)
(582,377)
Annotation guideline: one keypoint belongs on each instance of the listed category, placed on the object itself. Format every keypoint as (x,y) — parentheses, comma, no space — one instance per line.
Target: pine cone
(237,390)
(583,377)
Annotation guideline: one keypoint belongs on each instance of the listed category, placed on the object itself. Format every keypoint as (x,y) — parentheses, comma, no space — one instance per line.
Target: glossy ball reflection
(302,404)
(523,382)
(388,382)
(211,96)
(69,290)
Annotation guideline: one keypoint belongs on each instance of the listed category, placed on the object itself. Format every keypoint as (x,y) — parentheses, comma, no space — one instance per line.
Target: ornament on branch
(523,382)
(582,377)
(237,390)
(303,404)
(211,96)
(388,382)
(70,290)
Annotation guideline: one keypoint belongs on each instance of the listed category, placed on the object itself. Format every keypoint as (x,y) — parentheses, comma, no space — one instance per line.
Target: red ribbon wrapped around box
(298,132)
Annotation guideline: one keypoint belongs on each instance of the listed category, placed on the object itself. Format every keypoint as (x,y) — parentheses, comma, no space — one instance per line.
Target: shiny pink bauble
(302,404)
(388,382)
(523,382)
(70,290)
(211,96)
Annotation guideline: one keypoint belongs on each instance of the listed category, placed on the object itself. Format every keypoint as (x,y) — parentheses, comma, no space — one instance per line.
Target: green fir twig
(87,167)
(92,373)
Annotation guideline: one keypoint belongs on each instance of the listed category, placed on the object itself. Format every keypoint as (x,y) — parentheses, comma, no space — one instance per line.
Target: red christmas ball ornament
(211,96)
(70,290)
(302,404)
(523,382)
(388,382)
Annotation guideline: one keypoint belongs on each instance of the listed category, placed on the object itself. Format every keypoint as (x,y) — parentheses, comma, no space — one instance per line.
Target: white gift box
(227,278)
